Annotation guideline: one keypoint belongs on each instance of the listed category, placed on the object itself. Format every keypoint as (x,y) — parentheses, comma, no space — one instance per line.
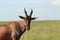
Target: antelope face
(27,19)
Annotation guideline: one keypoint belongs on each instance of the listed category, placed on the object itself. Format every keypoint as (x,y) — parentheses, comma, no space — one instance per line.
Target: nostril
(28,28)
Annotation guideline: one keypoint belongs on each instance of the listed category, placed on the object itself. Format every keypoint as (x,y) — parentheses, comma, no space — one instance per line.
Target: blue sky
(43,9)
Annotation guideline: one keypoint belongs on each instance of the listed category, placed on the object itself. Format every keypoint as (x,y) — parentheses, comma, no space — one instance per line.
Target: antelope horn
(31,12)
(25,12)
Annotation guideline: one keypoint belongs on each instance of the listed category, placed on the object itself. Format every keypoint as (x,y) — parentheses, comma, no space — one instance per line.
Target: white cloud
(55,2)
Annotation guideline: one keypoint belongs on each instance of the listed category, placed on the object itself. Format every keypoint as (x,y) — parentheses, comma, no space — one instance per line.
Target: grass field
(42,30)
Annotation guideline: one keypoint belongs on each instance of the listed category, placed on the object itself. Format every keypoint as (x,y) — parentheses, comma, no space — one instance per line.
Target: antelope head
(27,19)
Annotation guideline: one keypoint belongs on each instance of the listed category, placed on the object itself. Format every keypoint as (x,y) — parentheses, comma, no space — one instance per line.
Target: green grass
(42,30)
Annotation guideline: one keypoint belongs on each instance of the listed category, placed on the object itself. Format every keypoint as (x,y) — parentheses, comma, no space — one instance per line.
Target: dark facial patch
(28,20)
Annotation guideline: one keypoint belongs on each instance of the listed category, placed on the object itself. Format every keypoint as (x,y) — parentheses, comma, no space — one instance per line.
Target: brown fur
(8,31)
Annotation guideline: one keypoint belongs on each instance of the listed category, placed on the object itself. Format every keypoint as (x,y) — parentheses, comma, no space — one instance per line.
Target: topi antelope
(14,30)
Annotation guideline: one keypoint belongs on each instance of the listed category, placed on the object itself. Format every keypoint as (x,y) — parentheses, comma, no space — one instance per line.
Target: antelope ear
(21,17)
(33,18)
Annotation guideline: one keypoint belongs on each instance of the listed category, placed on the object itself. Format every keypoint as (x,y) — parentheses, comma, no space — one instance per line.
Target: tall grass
(43,30)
